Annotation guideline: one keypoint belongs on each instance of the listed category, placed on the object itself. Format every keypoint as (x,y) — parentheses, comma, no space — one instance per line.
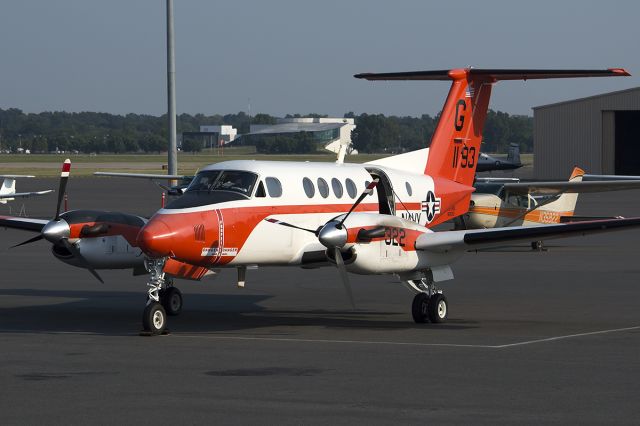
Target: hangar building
(601,134)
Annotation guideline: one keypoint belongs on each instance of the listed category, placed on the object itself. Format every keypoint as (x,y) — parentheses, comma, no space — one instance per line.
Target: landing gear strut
(162,299)
(430,304)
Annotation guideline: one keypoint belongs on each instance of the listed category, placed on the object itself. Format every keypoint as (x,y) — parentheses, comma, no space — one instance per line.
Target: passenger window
(337,187)
(274,187)
(323,188)
(260,191)
(409,189)
(351,188)
(309,189)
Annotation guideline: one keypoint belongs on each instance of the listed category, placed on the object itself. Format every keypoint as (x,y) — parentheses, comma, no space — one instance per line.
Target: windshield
(224,180)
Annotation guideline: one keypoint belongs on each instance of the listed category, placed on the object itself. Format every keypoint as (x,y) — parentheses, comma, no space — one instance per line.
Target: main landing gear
(163,299)
(430,305)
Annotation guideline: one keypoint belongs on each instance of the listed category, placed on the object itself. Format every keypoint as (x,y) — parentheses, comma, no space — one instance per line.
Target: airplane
(371,218)
(488,163)
(508,202)
(8,189)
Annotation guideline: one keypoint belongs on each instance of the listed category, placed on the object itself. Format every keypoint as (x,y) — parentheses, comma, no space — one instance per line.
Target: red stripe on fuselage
(179,241)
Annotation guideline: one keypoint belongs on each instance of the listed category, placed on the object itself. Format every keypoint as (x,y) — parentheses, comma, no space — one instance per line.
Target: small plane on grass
(8,188)
(371,218)
(509,202)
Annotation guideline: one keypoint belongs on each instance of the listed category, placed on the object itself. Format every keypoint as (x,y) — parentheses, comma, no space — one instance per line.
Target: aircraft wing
(24,223)
(25,194)
(144,175)
(555,188)
(477,239)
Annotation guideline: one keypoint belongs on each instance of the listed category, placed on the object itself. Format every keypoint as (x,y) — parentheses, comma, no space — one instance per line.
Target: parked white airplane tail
(8,189)
(566,203)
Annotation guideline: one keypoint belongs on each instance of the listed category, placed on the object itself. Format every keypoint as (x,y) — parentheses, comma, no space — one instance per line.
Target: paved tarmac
(533,337)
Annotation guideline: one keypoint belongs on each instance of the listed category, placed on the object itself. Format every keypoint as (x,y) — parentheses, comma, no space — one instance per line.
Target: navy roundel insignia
(431,206)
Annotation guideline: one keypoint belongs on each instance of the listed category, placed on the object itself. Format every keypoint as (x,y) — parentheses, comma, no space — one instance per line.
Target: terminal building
(600,134)
(330,133)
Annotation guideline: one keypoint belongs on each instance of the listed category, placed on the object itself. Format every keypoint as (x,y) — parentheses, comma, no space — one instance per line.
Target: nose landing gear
(163,299)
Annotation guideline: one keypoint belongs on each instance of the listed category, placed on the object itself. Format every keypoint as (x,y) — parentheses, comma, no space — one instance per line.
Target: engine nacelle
(108,252)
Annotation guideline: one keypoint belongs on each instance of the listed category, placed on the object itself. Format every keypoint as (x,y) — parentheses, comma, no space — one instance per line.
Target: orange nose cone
(155,239)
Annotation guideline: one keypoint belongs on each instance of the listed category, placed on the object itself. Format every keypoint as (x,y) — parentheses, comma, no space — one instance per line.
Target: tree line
(102,132)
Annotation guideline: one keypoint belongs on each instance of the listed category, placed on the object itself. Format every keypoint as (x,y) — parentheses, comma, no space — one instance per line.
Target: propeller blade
(29,241)
(368,191)
(344,275)
(64,177)
(76,253)
(279,222)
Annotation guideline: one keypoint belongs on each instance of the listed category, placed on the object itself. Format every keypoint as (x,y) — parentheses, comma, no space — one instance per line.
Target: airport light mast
(171,93)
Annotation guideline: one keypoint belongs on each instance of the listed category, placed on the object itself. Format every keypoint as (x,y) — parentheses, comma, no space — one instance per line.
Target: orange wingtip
(620,71)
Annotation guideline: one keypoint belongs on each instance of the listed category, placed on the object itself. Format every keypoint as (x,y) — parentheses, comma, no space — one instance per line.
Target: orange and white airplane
(371,218)
(509,202)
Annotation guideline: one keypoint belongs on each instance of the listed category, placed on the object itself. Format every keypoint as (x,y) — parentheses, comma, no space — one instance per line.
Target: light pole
(171,94)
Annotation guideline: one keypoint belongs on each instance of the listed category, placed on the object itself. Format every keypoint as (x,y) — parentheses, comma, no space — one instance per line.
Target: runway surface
(533,337)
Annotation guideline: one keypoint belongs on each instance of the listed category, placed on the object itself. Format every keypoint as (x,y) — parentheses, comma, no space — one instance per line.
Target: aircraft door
(386,199)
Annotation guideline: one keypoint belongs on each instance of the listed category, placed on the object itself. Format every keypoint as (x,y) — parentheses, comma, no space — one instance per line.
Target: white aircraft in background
(509,202)
(242,214)
(8,189)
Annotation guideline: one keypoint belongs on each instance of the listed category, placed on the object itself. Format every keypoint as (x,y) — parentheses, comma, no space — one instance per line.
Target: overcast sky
(300,56)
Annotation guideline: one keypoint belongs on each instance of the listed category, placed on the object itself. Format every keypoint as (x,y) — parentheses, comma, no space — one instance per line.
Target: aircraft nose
(155,239)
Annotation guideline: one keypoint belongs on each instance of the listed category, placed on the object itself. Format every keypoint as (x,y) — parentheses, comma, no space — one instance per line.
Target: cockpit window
(203,181)
(224,180)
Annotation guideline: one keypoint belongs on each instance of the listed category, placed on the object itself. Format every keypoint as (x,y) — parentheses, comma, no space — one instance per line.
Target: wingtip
(620,71)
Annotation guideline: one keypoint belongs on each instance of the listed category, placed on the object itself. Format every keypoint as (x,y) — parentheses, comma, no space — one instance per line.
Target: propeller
(57,230)
(333,235)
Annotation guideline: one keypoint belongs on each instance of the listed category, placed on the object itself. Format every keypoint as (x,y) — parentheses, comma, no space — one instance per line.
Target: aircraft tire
(171,300)
(536,245)
(154,318)
(419,308)
(438,308)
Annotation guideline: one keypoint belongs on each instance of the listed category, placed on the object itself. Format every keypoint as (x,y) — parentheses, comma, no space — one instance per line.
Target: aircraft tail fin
(566,203)
(513,155)
(8,188)
(455,145)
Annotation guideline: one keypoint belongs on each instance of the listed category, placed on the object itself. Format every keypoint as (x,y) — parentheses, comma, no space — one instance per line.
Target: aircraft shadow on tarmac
(118,313)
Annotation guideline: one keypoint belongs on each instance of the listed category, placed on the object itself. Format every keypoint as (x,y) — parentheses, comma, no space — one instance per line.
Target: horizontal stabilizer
(494,74)
(25,194)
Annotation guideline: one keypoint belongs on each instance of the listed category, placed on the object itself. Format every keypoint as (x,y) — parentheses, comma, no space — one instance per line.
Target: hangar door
(627,135)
